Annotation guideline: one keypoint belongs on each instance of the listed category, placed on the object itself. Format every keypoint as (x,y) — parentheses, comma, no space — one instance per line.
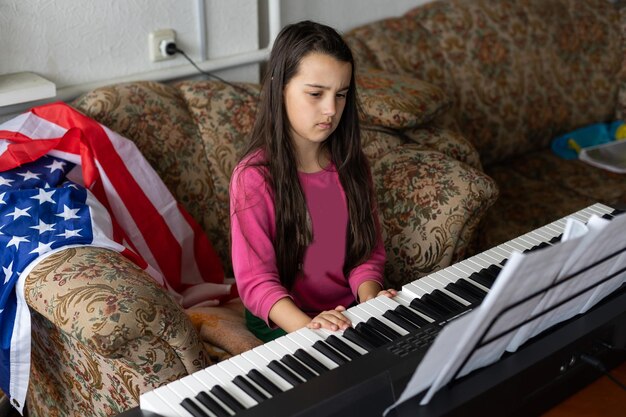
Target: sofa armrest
(106,303)
(430,206)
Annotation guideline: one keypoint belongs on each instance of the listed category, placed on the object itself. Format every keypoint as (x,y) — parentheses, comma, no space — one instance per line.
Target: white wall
(85,43)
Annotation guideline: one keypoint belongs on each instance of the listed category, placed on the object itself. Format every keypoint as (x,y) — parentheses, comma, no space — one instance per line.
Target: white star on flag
(56,164)
(8,272)
(42,248)
(29,175)
(17,213)
(16,240)
(2,198)
(70,233)
(43,227)
(44,196)
(68,213)
(5,181)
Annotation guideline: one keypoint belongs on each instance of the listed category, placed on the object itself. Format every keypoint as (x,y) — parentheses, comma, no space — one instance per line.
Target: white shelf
(21,87)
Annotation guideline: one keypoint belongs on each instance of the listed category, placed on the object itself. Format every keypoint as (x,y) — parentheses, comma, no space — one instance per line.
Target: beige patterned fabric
(103,332)
(398,101)
(518,72)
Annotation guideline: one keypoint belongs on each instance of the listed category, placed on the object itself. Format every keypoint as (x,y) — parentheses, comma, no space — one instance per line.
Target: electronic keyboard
(319,372)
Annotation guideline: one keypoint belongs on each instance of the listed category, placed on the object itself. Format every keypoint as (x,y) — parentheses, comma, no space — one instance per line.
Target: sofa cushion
(430,205)
(398,101)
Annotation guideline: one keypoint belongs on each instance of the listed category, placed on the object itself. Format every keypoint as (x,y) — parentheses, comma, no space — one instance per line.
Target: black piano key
(556,239)
(494,270)
(472,288)
(451,303)
(342,347)
(463,293)
(383,328)
(434,299)
(429,301)
(356,338)
(263,382)
(325,349)
(249,389)
(371,335)
(410,315)
(294,365)
(281,370)
(215,407)
(483,278)
(423,308)
(193,408)
(227,399)
(396,318)
(312,363)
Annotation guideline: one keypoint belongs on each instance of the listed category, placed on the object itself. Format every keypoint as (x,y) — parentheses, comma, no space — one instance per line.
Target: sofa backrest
(192,133)
(518,72)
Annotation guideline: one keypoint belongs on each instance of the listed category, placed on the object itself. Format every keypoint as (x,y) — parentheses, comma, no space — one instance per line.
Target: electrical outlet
(155,39)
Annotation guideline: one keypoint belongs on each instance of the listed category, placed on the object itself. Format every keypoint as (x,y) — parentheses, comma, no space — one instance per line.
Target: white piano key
(280,350)
(339,334)
(172,400)
(478,261)
(234,371)
(261,366)
(184,391)
(197,383)
(405,297)
(261,362)
(370,308)
(226,382)
(152,402)
(442,281)
(307,345)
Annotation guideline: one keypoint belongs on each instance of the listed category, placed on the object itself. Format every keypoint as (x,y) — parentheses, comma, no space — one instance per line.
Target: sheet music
(584,253)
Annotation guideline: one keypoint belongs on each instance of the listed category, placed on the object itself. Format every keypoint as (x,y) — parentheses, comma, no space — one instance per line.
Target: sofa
(103,332)
(519,74)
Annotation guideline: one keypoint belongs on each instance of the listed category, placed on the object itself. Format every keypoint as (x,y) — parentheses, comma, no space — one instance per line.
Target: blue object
(595,134)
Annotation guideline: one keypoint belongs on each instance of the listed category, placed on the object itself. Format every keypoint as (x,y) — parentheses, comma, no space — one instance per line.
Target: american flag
(67,180)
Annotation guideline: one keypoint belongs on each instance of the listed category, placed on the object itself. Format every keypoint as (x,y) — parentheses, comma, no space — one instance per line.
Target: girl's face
(315,98)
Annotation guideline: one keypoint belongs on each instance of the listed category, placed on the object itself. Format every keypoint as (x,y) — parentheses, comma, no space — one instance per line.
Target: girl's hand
(388,293)
(331,320)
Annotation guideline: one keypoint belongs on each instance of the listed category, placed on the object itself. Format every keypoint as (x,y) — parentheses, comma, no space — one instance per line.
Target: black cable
(171,49)
(596,363)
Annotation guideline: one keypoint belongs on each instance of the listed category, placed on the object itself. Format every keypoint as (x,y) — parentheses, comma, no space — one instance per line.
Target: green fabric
(261,330)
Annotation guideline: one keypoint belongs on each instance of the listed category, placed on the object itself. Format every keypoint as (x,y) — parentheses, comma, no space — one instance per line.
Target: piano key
(437,280)
(302,353)
(276,366)
(371,335)
(339,334)
(298,367)
(398,305)
(355,337)
(250,389)
(439,293)
(463,292)
(326,350)
(311,362)
(290,362)
(196,385)
(227,398)
(264,382)
(193,408)
(211,404)
(261,363)
(381,327)
(241,399)
(372,307)
(342,347)
(246,367)
(153,401)
(235,372)
(306,344)
(181,392)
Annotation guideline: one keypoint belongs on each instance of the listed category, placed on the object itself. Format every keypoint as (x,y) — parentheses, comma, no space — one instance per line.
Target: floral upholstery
(519,74)
(103,333)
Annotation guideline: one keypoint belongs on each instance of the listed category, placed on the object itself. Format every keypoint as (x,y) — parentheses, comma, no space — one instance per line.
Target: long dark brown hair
(271,135)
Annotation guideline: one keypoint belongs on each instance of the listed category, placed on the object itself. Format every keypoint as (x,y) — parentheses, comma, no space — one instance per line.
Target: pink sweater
(322,285)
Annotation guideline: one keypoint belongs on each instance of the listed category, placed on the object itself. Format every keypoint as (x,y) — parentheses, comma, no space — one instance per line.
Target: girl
(306,243)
